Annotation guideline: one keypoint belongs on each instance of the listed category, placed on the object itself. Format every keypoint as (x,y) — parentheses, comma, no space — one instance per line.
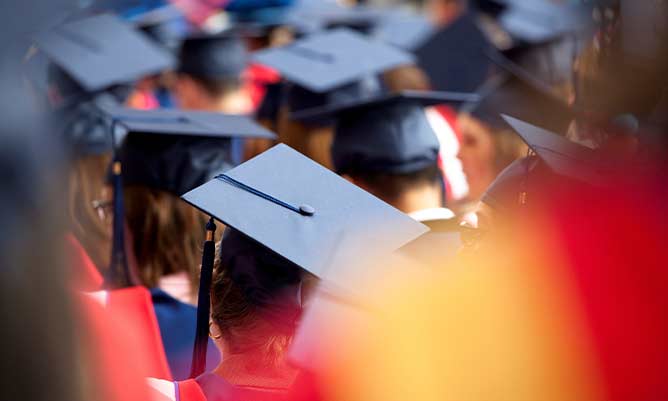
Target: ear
(214,331)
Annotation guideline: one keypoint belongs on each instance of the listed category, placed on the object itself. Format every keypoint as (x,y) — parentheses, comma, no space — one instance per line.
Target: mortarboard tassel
(204,302)
(523,194)
(118,274)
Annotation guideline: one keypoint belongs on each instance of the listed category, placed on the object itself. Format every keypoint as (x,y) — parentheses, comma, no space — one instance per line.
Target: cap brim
(187,123)
(423,98)
(564,157)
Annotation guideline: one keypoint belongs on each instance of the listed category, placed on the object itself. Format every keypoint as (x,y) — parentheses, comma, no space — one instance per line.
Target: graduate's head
(285,215)
(484,151)
(313,136)
(166,233)
(165,154)
(443,12)
(209,69)
(257,298)
(488,144)
(391,151)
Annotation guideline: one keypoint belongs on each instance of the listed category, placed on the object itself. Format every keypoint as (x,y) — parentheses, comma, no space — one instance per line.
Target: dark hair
(390,186)
(255,298)
(217,87)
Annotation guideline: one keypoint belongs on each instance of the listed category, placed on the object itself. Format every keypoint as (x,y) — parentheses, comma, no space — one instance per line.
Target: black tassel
(118,274)
(204,302)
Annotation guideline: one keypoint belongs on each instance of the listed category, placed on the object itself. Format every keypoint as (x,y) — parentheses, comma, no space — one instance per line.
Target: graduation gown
(454,58)
(211,387)
(177,321)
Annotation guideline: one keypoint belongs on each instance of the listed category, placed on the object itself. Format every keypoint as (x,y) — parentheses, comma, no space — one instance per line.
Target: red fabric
(257,77)
(189,390)
(615,243)
(85,275)
(142,100)
(123,343)
(198,11)
(450,116)
(136,308)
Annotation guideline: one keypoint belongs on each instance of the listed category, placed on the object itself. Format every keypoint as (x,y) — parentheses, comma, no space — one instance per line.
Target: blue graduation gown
(177,321)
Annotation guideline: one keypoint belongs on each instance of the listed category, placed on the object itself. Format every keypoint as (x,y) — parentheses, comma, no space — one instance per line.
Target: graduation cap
(166,25)
(564,157)
(300,211)
(176,150)
(172,150)
(218,56)
(516,92)
(403,29)
(554,155)
(454,57)
(388,133)
(331,59)
(541,21)
(321,15)
(102,51)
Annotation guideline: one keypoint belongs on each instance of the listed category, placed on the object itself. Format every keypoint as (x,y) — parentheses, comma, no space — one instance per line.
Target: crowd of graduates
(318,200)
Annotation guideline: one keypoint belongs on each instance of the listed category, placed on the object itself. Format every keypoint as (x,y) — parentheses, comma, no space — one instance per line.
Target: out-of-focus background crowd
(524,142)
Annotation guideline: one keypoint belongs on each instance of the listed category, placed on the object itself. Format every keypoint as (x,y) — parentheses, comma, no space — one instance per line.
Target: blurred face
(443,12)
(189,95)
(476,153)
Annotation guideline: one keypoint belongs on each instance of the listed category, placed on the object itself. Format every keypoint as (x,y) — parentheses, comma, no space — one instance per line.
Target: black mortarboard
(215,57)
(515,92)
(454,58)
(331,59)
(564,157)
(102,51)
(307,107)
(84,128)
(175,150)
(302,211)
(388,133)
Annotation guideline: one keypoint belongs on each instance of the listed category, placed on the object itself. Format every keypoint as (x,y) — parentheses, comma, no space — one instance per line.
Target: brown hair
(245,328)
(167,234)
(508,147)
(86,185)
